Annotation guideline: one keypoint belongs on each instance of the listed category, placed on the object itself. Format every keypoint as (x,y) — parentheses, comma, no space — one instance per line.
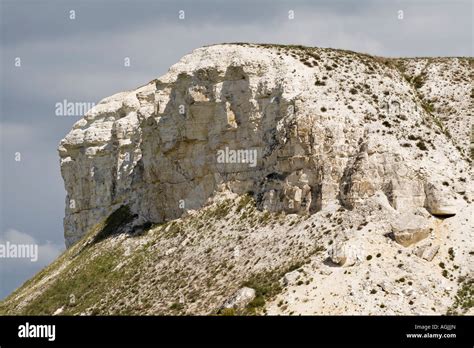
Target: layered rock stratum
(268,179)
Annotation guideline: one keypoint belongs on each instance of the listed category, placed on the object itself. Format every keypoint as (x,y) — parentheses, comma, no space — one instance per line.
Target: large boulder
(439,201)
(345,254)
(409,229)
(290,277)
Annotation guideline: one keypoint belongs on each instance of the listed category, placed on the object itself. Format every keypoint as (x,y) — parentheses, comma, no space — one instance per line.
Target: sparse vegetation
(421,145)
(418,81)
(464,299)
(451,253)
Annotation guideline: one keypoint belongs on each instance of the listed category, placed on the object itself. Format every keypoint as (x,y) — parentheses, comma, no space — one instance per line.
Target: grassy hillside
(185,265)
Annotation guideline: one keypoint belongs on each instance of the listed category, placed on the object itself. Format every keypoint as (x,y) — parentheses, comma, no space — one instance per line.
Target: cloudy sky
(82,60)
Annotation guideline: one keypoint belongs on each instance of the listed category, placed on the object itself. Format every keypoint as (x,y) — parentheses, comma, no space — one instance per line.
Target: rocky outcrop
(439,201)
(290,277)
(344,254)
(240,299)
(300,129)
(427,251)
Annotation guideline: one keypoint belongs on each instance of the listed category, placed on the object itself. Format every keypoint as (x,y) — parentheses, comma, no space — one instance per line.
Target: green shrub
(258,301)
(176,306)
(418,81)
(464,299)
(227,312)
(421,145)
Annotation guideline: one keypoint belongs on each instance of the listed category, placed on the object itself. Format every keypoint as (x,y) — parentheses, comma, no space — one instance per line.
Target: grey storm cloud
(82,60)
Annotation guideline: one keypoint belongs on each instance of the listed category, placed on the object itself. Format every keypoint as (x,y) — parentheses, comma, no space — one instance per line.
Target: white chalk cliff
(330,128)
(360,201)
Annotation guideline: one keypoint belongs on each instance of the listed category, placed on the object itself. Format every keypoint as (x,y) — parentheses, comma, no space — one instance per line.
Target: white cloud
(14,271)
(47,251)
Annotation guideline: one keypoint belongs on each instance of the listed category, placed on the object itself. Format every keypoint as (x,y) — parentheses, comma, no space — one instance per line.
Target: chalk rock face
(300,129)
(438,80)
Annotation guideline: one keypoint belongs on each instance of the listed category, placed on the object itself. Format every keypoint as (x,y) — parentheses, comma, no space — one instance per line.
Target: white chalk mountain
(346,188)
